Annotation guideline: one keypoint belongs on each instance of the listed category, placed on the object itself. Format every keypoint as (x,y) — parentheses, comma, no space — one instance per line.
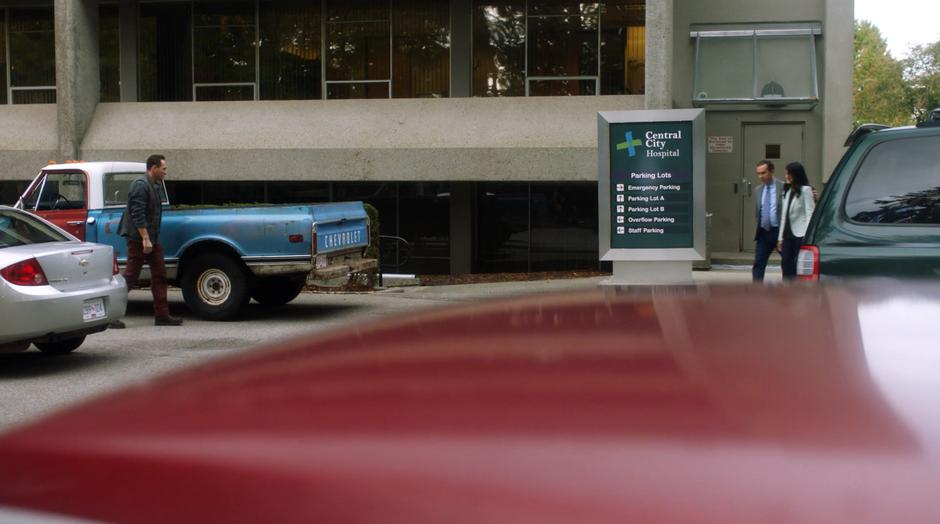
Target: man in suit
(767,205)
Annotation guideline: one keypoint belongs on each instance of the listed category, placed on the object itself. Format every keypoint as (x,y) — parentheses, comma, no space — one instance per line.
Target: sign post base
(626,273)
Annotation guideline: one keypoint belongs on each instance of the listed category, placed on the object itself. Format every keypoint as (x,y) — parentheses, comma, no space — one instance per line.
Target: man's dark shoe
(167,321)
(117,324)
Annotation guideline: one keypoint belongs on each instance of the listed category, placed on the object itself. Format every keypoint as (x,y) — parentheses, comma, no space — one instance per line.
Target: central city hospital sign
(651,199)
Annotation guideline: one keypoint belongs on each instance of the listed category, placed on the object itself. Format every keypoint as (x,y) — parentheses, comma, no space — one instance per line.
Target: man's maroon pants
(135,260)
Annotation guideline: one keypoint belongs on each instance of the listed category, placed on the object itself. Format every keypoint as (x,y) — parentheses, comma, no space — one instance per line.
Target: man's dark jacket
(144,209)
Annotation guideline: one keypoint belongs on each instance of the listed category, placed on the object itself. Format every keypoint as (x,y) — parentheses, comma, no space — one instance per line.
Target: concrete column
(836,77)
(659,31)
(461,47)
(76,70)
(461,227)
(127,31)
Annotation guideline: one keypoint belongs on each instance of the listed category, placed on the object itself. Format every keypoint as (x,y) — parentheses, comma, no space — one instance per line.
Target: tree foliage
(892,91)
(881,94)
(922,74)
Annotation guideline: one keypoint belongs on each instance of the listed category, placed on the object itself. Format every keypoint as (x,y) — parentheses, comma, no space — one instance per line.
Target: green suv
(879,215)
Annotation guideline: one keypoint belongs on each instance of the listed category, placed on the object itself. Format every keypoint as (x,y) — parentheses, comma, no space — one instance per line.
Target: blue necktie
(765,209)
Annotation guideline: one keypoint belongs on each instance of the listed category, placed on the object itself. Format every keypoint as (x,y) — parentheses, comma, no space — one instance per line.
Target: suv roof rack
(933,119)
(861,131)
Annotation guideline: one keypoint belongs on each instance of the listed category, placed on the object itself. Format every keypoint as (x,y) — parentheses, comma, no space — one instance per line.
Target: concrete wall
(517,139)
(837,80)
(28,140)
(826,125)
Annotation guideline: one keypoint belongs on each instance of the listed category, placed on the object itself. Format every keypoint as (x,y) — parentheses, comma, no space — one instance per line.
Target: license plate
(93,309)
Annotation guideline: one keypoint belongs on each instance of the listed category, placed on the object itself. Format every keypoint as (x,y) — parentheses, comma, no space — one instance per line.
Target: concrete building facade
(469,124)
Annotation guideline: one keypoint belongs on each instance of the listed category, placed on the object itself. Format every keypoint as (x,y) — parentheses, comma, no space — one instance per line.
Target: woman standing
(798,205)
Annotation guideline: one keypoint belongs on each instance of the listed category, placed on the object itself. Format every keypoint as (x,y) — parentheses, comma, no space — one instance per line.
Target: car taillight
(25,273)
(807,263)
(114,267)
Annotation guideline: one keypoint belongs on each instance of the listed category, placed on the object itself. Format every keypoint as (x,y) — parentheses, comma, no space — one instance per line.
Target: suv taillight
(114,265)
(25,273)
(807,263)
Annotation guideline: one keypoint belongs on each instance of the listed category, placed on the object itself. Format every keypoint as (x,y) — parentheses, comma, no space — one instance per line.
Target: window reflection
(568,47)
(357,90)
(536,227)
(290,50)
(165,59)
(573,87)
(358,47)
(499,49)
(108,53)
(32,55)
(564,226)
(563,45)
(224,47)
(502,227)
(623,48)
(421,60)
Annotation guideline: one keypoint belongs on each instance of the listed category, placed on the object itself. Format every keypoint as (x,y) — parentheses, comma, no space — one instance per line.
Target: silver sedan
(54,288)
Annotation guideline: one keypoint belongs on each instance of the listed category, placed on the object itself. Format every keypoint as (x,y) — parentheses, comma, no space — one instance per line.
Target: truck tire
(277,291)
(215,287)
(60,347)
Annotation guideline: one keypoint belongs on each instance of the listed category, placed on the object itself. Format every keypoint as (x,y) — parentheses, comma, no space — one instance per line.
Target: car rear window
(18,229)
(898,183)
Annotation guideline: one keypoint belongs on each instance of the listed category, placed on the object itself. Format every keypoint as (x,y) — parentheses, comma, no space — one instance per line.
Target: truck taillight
(807,263)
(25,273)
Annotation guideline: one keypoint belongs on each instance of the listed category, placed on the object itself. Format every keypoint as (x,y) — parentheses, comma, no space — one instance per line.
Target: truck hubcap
(214,287)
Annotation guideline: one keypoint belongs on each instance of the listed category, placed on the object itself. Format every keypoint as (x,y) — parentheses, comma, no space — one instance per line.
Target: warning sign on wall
(720,144)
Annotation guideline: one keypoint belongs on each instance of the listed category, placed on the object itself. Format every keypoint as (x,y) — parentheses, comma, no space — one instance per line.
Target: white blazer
(797,213)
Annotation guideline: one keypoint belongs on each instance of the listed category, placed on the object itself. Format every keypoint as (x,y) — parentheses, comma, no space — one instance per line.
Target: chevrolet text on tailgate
(221,257)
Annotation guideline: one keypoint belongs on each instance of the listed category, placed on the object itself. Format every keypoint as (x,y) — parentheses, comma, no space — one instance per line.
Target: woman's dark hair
(798,175)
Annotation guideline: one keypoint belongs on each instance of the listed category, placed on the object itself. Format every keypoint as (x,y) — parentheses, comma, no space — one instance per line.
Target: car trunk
(70,265)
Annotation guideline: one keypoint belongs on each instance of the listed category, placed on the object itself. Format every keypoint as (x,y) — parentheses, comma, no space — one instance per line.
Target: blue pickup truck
(221,256)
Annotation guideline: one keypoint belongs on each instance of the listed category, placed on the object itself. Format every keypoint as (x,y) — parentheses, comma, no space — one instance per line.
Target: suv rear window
(898,183)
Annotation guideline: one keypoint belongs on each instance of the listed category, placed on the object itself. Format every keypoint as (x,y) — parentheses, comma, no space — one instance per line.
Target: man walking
(140,226)
(767,209)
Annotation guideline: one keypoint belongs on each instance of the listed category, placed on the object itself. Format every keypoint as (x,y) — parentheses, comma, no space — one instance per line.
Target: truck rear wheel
(215,287)
(277,291)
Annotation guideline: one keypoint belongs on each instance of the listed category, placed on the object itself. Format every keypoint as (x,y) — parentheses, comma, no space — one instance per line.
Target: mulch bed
(480,278)
(470,278)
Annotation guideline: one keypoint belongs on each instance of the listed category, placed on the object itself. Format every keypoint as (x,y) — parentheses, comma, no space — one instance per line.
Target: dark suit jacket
(759,192)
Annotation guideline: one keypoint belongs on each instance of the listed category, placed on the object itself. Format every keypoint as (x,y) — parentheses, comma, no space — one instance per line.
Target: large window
(877,196)
(536,227)
(290,58)
(165,59)
(224,50)
(29,43)
(109,55)
(358,49)
(558,47)
(291,49)
(421,49)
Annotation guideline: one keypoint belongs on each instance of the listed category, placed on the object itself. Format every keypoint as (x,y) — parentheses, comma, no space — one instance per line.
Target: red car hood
(713,404)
